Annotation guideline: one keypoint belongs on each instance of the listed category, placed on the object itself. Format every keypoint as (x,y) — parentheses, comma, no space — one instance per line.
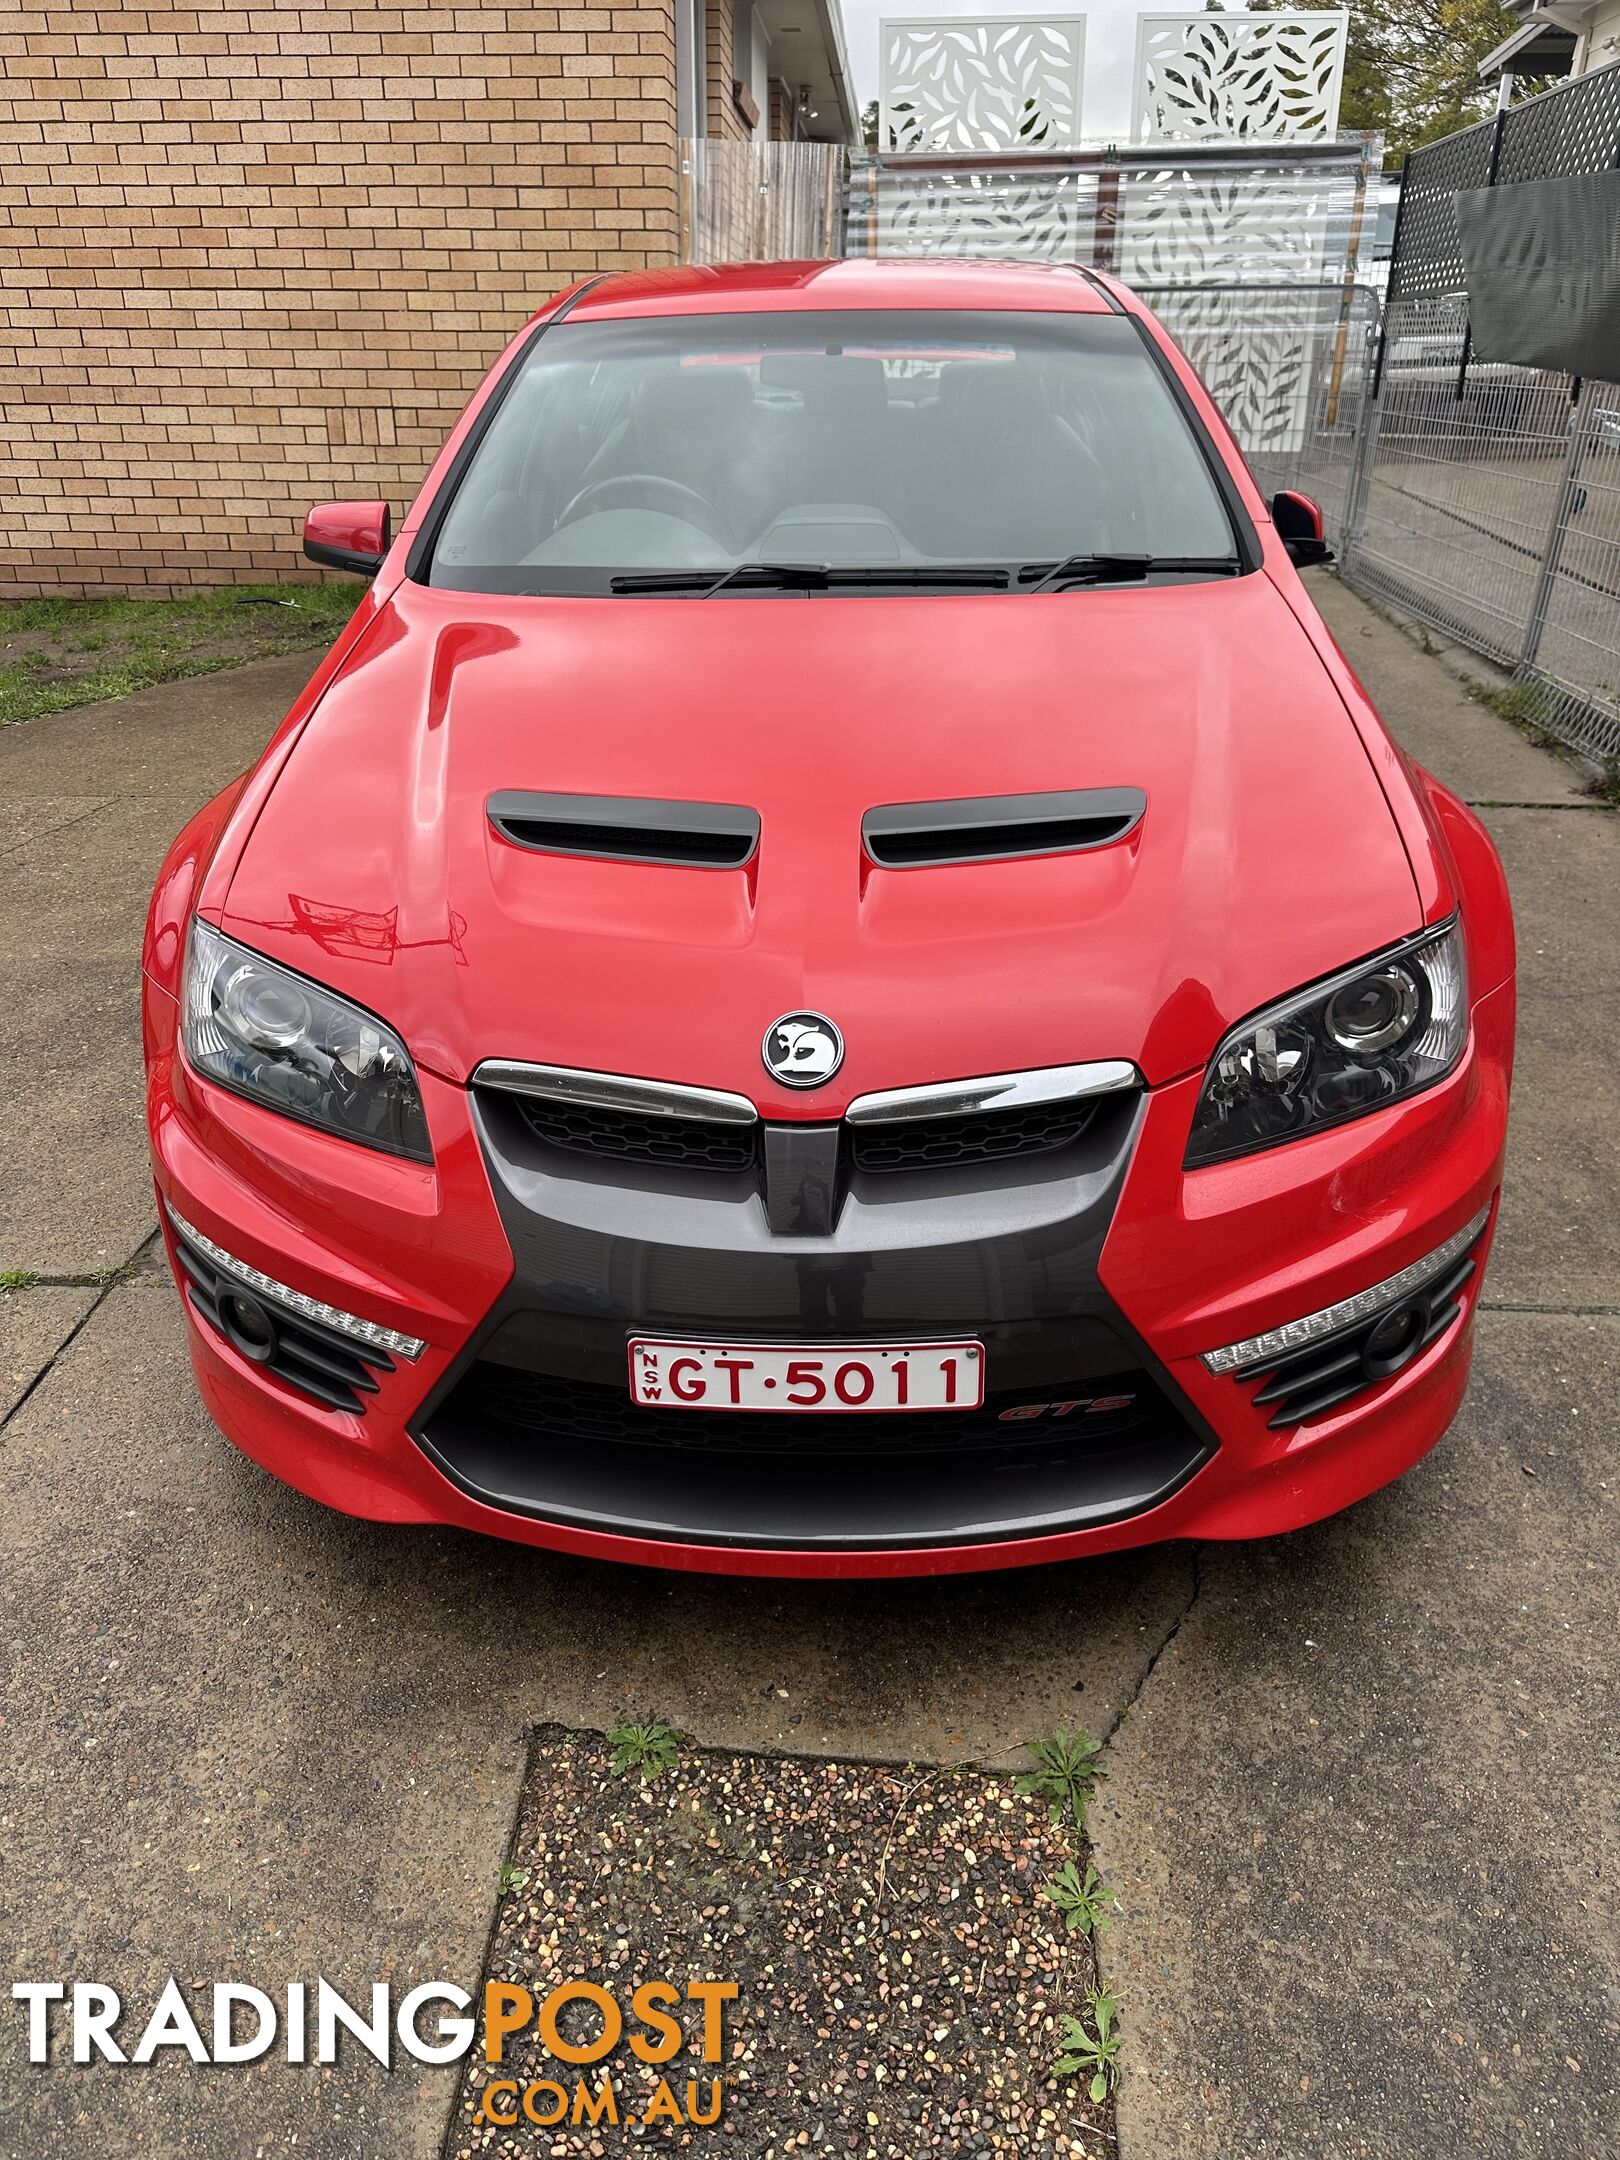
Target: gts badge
(1081,1406)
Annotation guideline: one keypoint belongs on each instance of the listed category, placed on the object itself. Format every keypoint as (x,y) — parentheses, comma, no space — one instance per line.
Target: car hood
(1267,855)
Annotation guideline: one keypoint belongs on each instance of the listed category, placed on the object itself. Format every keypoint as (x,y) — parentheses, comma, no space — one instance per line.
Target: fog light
(248,1327)
(1397,1339)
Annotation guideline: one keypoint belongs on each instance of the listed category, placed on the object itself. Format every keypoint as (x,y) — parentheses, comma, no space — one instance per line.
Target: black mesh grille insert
(627,1137)
(985,1136)
(316,1360)
(597,1415)
(704,1144)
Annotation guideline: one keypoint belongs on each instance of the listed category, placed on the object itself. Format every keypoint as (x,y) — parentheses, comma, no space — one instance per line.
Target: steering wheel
(606,494)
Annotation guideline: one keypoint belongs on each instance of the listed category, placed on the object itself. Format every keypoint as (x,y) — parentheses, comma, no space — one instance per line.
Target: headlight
(1378,1032)
(281,1040)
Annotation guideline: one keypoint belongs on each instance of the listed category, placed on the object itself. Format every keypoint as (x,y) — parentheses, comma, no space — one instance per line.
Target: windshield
(905,438)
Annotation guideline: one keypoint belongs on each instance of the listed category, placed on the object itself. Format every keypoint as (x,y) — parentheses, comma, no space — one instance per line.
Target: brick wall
(255,257)
(722,117)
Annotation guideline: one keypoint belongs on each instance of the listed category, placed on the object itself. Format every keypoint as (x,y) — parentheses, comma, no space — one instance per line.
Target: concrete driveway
(1360,1808)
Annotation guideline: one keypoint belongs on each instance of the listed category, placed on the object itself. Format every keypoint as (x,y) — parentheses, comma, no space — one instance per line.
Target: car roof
(870,282)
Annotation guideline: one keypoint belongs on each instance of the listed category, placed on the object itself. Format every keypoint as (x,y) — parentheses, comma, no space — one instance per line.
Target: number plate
(668,1375)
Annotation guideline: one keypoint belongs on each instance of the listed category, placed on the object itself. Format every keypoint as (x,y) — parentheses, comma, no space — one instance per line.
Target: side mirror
(348,536)
(1298,520)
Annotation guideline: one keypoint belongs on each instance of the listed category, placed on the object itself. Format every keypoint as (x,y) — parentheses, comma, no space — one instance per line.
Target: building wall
(723,118)
(1601,44)
(255,257)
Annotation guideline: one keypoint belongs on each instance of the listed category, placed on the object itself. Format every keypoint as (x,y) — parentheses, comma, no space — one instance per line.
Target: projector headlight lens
(283,1041)
(1369,1037)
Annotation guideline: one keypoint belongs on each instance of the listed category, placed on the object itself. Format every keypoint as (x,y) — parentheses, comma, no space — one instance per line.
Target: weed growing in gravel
(1092,2049)
(651,1748)
(1065,1772)
(513,1878)
(1084,1902)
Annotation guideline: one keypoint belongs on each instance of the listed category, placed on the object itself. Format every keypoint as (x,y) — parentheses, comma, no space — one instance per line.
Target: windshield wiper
(771,576)
(813,577)
(1117,569)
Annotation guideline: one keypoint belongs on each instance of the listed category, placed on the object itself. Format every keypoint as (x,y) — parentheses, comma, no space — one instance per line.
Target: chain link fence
(1487,497)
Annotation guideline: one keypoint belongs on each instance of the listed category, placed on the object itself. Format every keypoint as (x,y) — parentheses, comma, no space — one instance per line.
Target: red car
(834,976)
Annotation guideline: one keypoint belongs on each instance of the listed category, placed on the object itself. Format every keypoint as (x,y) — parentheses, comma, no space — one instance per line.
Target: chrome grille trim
(994,1091)
(616,1091)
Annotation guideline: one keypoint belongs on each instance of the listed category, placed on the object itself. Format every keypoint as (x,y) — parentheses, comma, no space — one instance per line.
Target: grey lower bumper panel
(858,1502)
(1080,1426)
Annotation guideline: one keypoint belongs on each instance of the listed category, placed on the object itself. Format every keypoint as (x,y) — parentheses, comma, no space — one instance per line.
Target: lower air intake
(1333,1372)
(315,1360)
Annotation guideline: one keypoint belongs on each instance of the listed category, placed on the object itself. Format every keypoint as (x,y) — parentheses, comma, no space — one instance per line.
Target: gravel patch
(900,1982)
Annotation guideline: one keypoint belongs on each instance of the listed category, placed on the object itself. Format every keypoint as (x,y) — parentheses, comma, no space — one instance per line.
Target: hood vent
(628,828)
(991,828)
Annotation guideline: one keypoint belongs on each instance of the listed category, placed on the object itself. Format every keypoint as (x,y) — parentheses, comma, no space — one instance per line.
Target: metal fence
(1304,351)
(1487,500)
(1482,498)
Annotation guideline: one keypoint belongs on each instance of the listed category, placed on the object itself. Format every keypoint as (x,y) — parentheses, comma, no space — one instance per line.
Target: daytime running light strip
(1257,1349)
(366,1331)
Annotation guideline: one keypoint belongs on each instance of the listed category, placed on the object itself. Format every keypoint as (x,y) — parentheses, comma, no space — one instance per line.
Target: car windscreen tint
(916,437)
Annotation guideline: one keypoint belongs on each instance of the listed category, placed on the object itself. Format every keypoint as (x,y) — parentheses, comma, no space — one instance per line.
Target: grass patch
(59,653)
(18,1278)
(1525,704)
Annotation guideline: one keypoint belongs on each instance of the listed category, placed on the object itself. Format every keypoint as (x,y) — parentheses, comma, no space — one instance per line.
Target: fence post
(1347,294)
(1393,290)
(1564,509)
(1362,460)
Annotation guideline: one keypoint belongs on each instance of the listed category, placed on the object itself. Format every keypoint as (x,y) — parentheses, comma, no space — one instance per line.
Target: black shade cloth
(1542,262)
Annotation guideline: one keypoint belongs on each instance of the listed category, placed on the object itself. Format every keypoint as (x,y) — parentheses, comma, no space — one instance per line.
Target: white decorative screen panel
(998,83)
(1232,76)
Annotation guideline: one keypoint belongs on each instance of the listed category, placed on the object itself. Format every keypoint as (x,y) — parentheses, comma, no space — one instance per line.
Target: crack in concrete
(115,1277)
(51,832)
(1494,802)
(1151,1666)
(1553,1312)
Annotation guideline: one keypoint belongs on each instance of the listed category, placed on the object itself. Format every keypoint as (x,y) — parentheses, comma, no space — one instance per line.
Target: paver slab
(1559,1241)
(250,1739)
(79,871)
(34,1324)
(1362,1819)
(1477,753)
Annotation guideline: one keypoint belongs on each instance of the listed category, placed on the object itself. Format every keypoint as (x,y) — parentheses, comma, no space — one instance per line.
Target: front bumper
(1092,1276)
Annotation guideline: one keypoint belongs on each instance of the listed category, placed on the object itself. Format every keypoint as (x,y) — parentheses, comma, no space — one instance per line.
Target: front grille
(593,1415)
(315,1360)
(625,1136)
(1332,1372)
(704,1144)
(987,1136)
